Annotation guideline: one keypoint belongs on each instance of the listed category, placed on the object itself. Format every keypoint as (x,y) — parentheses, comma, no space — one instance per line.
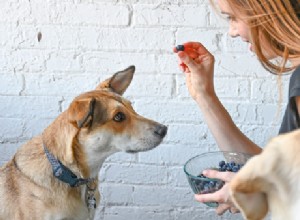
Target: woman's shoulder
(294,86)
(296,73)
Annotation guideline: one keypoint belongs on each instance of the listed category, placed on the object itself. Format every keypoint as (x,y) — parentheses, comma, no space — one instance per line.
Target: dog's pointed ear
(81,112)
(119,82)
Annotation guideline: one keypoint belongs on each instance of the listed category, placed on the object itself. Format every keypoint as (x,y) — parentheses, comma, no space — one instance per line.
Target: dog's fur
(28,189)
(270,181)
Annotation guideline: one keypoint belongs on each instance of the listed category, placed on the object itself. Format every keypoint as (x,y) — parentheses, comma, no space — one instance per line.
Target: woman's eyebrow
(225,13)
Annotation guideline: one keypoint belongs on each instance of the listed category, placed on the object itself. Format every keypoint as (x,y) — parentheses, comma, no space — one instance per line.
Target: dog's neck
(64,142)
(60,139)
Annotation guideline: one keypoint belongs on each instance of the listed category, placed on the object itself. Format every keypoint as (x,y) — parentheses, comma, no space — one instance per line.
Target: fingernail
(205,172)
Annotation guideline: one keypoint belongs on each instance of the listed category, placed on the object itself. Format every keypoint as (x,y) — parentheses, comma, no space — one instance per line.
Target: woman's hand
(221,196)
(198,64)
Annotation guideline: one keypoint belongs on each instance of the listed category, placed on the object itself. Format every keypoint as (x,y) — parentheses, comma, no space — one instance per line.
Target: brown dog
(54,175)
(270,181)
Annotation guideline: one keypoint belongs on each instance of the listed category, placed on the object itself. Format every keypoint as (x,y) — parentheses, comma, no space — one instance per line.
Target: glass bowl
(218,160)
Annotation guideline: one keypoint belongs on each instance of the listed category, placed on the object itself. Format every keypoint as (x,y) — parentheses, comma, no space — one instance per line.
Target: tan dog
(271,181)
(96,124)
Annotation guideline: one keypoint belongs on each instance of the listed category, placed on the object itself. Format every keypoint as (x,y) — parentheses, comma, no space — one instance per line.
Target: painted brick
(134,174)
(86,41)
(169,155)
(169,15)
(29,107)
(113,62)
(116,194)
(12,130)
(7,151)
(148,196)
(11,84)
(125,213)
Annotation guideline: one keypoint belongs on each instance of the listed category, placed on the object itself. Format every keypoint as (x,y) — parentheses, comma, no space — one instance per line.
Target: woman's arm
(297,100)
(198,64)
(226,133)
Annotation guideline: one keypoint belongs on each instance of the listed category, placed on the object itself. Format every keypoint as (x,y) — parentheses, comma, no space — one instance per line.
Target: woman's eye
(120,116)
(230,18)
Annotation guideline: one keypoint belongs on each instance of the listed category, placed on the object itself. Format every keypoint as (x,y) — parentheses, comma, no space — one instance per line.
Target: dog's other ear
(81,112)
(249,199)
(250,186)
(119,82)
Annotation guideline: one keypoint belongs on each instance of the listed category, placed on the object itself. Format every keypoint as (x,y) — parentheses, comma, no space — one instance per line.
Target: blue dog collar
(63,173)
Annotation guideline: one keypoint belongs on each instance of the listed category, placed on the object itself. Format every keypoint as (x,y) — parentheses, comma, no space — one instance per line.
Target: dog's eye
(120,116)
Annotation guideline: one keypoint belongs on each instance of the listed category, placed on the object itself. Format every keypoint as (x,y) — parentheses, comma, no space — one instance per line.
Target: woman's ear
(81,112)
(119,82)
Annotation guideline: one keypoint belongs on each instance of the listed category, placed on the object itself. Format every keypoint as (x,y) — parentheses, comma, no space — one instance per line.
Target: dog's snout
(161,130)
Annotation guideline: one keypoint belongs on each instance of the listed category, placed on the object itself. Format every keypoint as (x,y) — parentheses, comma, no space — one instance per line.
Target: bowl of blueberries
(219,160)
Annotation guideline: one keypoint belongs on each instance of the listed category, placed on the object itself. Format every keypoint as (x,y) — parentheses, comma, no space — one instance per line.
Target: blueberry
(235,169)
(219,185)
(197,182)
(223,168)
(203,185)
(180,48)
(206,189)
(211,184)
(201,176)
(228,168)
(222,163)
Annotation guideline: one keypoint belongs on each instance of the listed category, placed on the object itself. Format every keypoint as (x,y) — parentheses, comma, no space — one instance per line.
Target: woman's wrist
(206,99)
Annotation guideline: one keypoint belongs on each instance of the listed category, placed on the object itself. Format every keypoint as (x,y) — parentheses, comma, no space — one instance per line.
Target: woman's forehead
(224,7)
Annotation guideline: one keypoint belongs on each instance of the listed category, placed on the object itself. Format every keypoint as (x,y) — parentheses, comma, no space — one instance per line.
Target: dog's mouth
(131,151)
(139,150)
(145,144)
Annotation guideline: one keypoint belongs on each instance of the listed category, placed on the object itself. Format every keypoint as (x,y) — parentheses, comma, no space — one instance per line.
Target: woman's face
(238,28)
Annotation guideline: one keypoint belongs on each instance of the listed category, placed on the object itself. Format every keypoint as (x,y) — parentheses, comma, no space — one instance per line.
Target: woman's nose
(233,31)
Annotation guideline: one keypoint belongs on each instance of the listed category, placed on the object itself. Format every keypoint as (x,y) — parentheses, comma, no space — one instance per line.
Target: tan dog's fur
(270,181)
(28,189)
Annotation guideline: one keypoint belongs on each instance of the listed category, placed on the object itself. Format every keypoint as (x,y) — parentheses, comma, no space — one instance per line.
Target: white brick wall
(83,42)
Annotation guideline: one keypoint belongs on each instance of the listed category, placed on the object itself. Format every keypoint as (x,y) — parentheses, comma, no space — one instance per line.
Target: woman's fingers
(210,197)
(225,176)
(218,196)
(195,56)
(234,210)
(189,51)
(198,47)
(192,65)
(194,50)
(222,208)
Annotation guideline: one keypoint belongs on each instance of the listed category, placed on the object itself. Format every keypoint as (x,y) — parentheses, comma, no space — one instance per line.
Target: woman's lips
(250,47)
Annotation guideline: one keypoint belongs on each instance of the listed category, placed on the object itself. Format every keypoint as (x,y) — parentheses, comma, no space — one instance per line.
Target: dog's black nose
(161,130)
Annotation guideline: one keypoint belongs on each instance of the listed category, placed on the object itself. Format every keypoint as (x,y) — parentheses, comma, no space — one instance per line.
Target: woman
(272,30)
